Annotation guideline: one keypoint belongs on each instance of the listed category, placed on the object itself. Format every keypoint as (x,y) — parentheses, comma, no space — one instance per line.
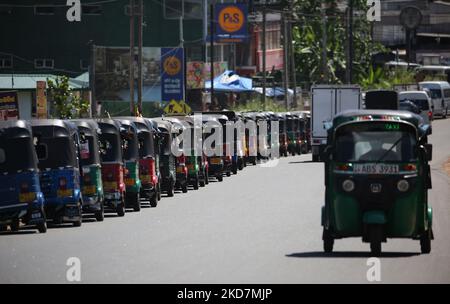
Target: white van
(440,96)
(421,100)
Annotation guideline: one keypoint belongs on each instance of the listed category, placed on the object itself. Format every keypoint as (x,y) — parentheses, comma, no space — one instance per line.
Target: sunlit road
(262,226)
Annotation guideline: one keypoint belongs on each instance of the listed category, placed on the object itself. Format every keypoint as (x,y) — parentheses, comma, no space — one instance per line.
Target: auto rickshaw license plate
(64,193)
(110,186)
(375,169)
(89,190)
(27,197)
(129,181)
(190,167)
(216,161)
(180,170)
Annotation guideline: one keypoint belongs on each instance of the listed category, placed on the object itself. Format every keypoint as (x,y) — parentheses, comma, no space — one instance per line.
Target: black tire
(170,190)
(375,238)
(42,227)
(100,215)
(228,173)
(15,225)
(328,241)
(220,178)
(184,188)
(136,202)
(202,182)
(78,223)
(425,242)
(196,183)
(159,192)
(235,170)
(154,200)
(206,178)
(121,209)
(254,161)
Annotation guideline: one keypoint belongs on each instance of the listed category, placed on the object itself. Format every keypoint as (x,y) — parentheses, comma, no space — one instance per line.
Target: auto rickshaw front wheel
(120,209)
(42,227)
(154,200)
(328,241)
(136,200)
(375,238)
(170,190)
(184,188)
(100,215)
(425,242)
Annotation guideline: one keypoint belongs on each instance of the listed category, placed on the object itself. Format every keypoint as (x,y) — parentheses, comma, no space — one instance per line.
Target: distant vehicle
(381,100)
(392,65)
(327,101)
(407,105)
(441,71)
(440,96)
(422,101)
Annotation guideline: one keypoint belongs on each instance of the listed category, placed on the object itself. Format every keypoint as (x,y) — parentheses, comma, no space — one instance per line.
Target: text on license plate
(375,169)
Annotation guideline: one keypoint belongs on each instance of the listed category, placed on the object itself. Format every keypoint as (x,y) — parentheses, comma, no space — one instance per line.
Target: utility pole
(92,79)
(324,44)
(140,42)
(184,55)
(264,52)
(211,38)
(286,61)
(350,43)
(132,106)
(292,54)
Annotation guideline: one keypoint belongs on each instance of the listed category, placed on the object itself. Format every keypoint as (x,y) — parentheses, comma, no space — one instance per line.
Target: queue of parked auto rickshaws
(57,171)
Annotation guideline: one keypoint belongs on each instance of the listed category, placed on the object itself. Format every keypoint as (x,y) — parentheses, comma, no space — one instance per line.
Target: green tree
(308,46)
(67,104)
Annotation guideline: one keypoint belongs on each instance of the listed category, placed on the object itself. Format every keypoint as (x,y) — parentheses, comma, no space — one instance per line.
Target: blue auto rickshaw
(57,147)
(21,198)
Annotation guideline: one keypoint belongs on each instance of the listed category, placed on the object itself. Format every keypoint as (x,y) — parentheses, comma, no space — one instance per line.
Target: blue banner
(172,74)
(231,20)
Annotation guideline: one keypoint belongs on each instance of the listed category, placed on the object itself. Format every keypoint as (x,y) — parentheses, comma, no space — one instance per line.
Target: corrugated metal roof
(28,81)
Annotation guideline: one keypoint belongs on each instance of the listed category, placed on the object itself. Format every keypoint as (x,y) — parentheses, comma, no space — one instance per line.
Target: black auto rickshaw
(213,137)
(302,141)
(130,149)
(21,198)
(167,161)
(251,138)
(283,134)
(148,159)
(111,157)
(57,148)
(91,169)
(377,176)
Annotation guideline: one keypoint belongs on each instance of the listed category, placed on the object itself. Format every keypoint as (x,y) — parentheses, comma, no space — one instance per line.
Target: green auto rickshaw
(130,150)
(377,178)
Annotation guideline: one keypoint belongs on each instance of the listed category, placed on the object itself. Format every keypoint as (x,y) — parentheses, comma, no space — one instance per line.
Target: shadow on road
(302,162)
(20,232)
(350,254)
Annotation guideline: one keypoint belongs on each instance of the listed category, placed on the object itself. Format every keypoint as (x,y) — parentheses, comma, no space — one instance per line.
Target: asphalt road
(262,226)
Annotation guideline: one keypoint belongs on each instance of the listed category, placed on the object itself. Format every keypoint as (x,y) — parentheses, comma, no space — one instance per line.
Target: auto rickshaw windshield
(17,154)
(110,148)
(376,142)
(87,153)
(56,152)
(146,146)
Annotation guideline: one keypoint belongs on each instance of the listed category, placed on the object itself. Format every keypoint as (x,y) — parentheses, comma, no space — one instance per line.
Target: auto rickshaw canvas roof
(64,127)
(231,115)
(109,126)
(89,126)
(140,122)
(164,125)
(15,128)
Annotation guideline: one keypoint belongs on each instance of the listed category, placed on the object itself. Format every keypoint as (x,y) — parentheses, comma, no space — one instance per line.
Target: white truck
(327,101)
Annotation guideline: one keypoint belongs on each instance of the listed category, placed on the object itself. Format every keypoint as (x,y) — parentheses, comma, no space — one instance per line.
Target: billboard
(172,75)
(41,99)
(9,106)
(231,20)
(197,72)
(112,70)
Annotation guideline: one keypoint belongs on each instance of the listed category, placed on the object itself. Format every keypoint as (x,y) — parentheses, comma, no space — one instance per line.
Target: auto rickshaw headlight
(403,185)
(348,185)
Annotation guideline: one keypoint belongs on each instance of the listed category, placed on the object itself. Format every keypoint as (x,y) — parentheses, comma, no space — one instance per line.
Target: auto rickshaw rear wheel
(78,223)
(206,177)
(170,190)
(184,188)
(15,225)
(220,177)
(425,242)
(121,208)
(100,215)
(328,241)
(228,173)
(136,199)
(158,192)
(154,200)
(42,227)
